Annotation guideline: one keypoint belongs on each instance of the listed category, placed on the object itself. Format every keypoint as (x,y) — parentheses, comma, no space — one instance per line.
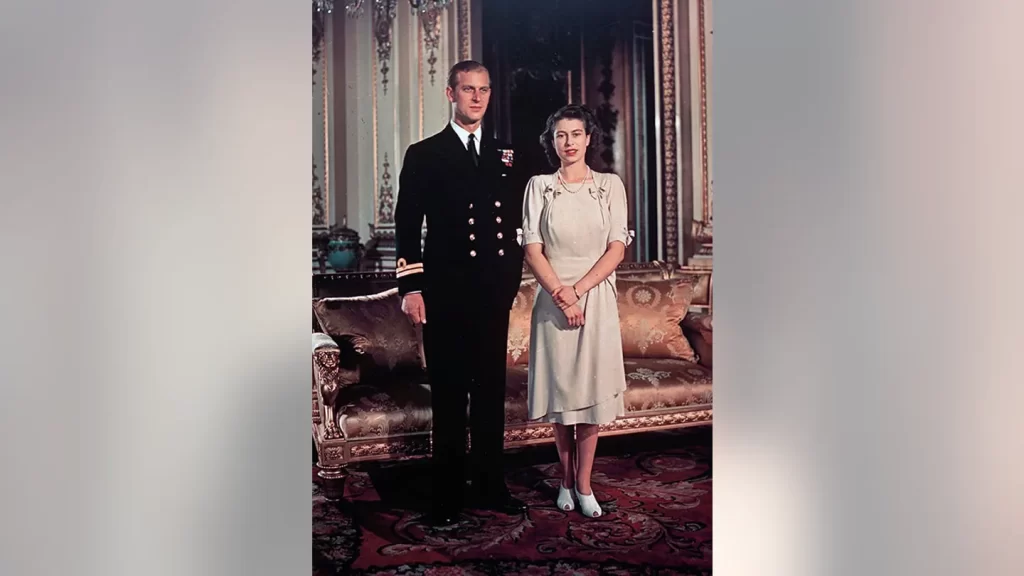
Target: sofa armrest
(330,376)
(697,327)
(698,321)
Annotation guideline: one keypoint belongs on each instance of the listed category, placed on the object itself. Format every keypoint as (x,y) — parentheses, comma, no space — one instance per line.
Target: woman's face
(571,140)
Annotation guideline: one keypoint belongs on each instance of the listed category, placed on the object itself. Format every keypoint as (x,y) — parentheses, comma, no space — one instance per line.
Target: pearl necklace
(566,184)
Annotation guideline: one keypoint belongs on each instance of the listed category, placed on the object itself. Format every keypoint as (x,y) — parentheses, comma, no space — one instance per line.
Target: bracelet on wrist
(575,291)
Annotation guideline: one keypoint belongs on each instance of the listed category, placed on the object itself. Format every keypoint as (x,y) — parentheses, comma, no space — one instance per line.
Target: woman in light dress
(575,234)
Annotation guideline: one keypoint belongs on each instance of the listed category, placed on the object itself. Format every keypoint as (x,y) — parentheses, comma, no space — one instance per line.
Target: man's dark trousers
(465,341)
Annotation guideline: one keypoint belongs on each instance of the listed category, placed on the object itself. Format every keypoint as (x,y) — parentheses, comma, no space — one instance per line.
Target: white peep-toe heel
(564,500)
(588,504)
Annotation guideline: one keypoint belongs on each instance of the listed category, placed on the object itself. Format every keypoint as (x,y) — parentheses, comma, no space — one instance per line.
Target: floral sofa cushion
(376,328)
(650,313)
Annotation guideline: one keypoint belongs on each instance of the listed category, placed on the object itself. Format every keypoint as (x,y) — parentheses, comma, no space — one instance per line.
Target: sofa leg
(332,481)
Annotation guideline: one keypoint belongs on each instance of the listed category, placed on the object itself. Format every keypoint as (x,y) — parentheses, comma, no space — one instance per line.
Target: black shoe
(506,504)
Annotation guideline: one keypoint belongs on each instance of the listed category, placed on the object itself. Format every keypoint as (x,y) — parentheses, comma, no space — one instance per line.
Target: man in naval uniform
(460,287)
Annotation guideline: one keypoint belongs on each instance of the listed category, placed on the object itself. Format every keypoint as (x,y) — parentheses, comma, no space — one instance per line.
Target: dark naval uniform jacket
(473,218)
(469,271)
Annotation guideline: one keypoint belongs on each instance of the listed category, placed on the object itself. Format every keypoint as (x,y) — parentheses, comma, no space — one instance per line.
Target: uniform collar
(463,134)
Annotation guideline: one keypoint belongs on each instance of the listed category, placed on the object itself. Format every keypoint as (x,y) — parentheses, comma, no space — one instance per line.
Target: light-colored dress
(576,375)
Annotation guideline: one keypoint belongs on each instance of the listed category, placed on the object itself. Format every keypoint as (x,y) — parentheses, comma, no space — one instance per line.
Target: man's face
(470,96)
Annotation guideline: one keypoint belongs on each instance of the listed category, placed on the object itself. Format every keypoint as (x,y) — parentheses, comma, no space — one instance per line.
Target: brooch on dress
(549,194)
(507,156)
(597,191)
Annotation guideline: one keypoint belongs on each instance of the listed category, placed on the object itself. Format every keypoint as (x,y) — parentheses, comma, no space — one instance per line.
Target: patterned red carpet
(655,489)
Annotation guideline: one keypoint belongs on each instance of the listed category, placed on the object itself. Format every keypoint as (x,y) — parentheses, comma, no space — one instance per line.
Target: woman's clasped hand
(565,298)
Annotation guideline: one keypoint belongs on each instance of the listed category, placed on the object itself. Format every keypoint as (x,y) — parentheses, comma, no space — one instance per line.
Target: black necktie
(472,150)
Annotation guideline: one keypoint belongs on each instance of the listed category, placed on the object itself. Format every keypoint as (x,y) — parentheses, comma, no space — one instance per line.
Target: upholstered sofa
(371,399)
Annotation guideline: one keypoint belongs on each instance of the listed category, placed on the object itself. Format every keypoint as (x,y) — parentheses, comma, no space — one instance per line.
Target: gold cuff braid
(403,269)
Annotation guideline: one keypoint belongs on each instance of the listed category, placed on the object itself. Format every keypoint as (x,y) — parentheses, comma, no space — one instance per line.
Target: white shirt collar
(464,134)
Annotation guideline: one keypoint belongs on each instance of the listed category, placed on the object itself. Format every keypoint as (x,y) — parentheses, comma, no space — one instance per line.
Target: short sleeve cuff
(624,235)
(528,236)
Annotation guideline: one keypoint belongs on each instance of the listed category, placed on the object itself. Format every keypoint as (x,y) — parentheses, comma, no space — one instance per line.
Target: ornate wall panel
(700,94)
(400,102)
(435,58)
(665,32)
(685,183)
(321,112)
(465,20)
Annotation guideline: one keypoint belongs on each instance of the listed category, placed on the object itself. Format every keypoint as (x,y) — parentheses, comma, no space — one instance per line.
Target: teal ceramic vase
(343,248)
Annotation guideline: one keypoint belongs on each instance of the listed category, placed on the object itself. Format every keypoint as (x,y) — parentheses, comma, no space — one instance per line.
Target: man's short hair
(464,66)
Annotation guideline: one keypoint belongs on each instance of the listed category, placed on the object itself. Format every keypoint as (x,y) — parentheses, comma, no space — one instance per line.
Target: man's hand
(412,305)
(574,315)
(564,296)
